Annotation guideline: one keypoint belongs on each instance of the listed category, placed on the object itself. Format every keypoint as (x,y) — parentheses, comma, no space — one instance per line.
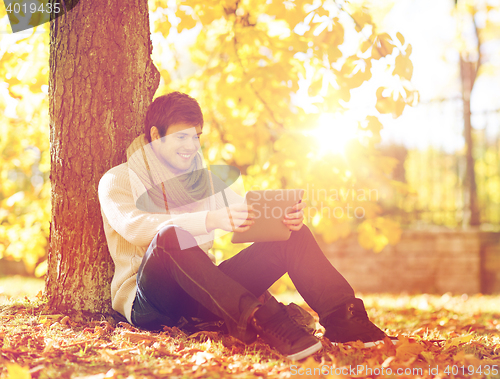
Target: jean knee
(303,232)
(164,246)
(174,238)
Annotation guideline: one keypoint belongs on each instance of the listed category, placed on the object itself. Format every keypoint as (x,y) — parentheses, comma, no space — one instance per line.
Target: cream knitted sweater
(129,231)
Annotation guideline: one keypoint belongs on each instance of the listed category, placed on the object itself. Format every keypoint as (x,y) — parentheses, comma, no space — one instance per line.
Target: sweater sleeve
(136,226)
(231,196)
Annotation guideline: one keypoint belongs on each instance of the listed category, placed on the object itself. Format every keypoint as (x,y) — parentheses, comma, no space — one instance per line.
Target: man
(160,211)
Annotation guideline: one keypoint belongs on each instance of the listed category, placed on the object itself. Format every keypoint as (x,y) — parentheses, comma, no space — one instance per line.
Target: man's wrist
(209,221)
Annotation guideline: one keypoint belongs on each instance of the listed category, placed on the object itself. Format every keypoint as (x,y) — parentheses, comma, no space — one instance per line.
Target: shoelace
(282,326)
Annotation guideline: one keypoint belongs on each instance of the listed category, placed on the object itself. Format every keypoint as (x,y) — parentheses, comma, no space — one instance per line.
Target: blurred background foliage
(277,82)
(24,145)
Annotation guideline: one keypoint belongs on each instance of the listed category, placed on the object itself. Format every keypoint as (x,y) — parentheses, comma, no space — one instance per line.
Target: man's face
(178,148)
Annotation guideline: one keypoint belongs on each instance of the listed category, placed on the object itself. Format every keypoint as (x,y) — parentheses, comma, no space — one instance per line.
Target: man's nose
(193,145)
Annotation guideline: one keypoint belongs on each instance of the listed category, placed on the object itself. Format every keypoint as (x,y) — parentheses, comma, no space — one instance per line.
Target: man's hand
(295,219)
(235,218)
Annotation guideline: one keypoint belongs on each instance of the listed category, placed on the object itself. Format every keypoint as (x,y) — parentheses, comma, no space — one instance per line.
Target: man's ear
(154,133)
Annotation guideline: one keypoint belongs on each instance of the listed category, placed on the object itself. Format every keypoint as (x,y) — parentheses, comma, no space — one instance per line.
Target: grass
(445,331)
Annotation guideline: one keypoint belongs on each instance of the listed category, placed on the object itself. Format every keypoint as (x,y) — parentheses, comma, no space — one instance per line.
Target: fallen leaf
(188,351)
(388,361)
(66,321)
(110,356)
(138,337)
(457,341)
(429,357)
(407,350)
(48,346)
(203,333)
(14,371)
(126,325)
(201,357)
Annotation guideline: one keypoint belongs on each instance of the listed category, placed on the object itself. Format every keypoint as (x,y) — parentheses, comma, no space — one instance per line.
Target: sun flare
(334,131)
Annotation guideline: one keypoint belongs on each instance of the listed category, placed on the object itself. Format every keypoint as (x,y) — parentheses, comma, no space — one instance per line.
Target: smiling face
(178,148)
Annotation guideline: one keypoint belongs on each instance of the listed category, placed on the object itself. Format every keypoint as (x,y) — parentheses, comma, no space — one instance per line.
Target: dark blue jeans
(172,282)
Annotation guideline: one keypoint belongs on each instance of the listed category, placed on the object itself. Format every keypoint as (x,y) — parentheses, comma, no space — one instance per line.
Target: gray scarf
(156,189)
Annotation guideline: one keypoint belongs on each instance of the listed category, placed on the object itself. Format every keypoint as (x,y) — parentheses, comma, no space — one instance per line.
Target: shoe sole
(375,343)
(368,344)
(306,352)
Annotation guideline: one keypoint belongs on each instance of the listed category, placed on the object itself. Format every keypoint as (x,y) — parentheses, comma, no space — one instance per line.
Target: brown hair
(170,109)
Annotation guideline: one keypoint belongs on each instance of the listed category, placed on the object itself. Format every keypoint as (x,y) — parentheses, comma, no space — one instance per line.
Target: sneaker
(351,323)
(302,317)
(274,325)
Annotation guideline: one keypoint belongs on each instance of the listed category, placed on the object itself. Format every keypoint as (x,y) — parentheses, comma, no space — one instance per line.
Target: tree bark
(102,80)
(468,75)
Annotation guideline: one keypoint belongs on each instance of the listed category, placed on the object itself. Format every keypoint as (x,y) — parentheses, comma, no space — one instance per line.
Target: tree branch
(479,61)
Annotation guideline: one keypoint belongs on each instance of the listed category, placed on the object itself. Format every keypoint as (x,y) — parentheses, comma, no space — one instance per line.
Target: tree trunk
(468,76)
(101,82)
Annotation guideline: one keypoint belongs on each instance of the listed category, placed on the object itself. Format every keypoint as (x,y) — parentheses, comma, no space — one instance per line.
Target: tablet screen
(270,208)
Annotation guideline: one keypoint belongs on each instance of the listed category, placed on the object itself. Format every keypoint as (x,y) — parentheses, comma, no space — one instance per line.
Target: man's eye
(180,137)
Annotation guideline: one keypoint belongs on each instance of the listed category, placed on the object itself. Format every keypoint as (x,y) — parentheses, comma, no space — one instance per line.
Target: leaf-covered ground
(440,336)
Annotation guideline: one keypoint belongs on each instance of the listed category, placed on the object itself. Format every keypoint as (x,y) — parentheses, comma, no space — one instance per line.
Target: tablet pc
(270,208)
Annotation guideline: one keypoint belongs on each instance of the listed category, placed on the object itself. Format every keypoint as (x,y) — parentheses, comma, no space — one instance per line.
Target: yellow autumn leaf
(387,104)
(384,104)
(428,356)
(365,45)
(361,18)
(187,22)
(385,41)
(383,46)
(207,14)
(291,11)
(315,87)
(412,97)
(407,350)
(400,38)
(399,107)
(163,25)
(454,342)
(403,67)
(354,72)
(408,50)
(333,39)
(14,371)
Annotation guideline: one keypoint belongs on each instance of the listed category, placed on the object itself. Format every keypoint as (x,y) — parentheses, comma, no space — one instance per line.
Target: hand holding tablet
(269,208)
